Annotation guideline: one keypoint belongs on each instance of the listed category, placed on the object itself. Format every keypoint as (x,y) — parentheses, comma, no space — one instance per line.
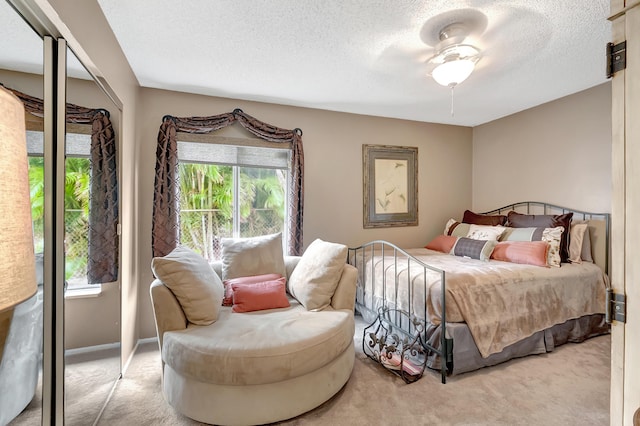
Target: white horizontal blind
(76,144)
(233,155)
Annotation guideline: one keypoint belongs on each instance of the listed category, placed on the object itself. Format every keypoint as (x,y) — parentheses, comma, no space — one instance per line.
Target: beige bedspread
(501,302)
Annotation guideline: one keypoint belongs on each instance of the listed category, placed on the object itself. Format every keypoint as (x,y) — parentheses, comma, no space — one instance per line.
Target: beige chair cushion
(259,347)
(244,257)
(316,276)
(190,278)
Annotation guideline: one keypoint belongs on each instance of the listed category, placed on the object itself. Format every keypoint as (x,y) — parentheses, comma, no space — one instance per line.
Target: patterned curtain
(165,229)
(103,261)
(166,225)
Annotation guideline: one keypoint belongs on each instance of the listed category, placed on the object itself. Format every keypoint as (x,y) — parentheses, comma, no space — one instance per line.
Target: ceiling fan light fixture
(454,72)
(454,64)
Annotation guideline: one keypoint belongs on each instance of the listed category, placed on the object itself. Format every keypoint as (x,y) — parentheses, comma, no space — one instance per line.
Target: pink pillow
(258,296)
(443,243)
(527,252)
(228,290)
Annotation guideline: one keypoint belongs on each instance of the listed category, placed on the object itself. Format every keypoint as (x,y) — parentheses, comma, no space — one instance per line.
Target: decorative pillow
(315,278)
(526,252)
(551,235)
(517,220)
(456,228)
(522,234)
(228,289)
(585,254)
(259,296)
(586,247)
(474,249)
(485,232)
(243,257)
(190,278)
(442,243)
(483,219)
(554,237)
(576,239)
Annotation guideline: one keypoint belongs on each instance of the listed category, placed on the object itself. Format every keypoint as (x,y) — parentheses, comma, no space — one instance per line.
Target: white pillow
(448,225)
(191,279)
(246,257)
(315,278)
(485,232)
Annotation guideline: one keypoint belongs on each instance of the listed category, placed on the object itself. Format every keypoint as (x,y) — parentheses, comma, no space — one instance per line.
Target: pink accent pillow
(526,252)
(443,243)
(227,300)
(259,296)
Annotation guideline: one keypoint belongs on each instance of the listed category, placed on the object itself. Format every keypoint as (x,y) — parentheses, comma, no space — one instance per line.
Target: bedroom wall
(558,152)
(333,170)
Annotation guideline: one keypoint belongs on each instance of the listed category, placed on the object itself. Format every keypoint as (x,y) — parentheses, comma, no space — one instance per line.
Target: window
(76,202)
(230,191)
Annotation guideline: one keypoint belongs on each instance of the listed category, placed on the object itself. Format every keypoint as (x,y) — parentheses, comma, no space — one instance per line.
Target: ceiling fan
(452,35)
(454,60)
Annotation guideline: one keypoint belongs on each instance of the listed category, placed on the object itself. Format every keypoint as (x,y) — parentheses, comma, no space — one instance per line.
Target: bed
(497,306)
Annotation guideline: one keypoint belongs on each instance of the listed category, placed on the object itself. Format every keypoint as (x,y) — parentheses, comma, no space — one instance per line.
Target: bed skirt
(466,356)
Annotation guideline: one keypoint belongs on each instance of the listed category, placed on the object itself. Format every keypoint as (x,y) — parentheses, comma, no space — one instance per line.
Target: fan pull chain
(452,87)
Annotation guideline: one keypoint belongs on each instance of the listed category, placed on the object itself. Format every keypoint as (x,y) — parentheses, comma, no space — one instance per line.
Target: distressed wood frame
(401,195)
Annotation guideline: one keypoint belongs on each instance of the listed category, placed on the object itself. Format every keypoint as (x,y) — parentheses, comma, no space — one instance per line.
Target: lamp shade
(451,73)
(17,258)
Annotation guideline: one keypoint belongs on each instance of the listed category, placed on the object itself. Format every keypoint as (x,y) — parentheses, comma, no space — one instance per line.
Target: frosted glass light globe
(453,72)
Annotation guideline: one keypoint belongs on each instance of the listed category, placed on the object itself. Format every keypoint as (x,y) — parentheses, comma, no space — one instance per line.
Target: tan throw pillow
(244,257)
(585,254)
(191,279)
(576,239)
(315,278)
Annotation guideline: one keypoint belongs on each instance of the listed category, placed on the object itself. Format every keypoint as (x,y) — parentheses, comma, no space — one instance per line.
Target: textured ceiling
(367,56)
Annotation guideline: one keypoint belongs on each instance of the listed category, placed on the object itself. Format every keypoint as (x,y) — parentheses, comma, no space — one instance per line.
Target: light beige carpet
(569,386)
(89,379)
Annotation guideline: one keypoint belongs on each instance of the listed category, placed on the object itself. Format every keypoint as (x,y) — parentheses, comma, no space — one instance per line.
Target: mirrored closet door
(75,359)
(21,328)
(91,300)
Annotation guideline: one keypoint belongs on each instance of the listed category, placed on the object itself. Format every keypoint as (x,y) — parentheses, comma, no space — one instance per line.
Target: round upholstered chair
(260,366)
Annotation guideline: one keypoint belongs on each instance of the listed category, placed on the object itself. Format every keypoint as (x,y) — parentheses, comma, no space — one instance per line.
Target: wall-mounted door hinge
(616,57)
(616,307)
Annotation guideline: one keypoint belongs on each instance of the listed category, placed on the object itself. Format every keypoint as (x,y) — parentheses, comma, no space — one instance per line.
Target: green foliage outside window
(76,206)
(207,204)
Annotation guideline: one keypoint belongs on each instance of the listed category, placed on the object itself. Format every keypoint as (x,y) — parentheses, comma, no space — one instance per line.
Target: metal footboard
(392,298)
